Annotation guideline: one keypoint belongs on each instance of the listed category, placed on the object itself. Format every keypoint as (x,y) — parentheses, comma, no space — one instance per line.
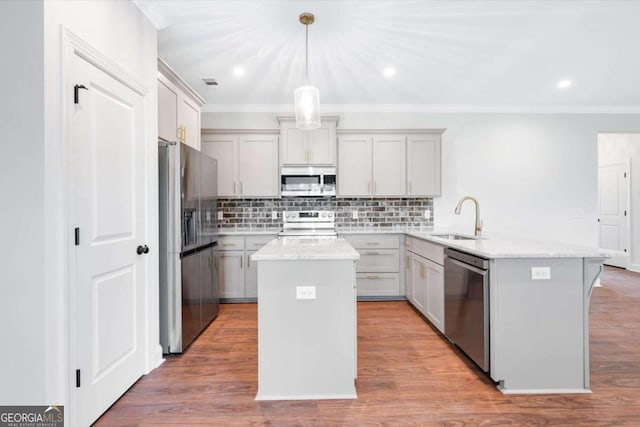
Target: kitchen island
(306,319)
(538,312)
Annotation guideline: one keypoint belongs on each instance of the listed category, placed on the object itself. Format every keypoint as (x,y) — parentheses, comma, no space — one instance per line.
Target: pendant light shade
(307,101)
(307,97)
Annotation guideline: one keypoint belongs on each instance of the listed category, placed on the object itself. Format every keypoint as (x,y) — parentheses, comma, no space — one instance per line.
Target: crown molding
(170,74)
(428,108)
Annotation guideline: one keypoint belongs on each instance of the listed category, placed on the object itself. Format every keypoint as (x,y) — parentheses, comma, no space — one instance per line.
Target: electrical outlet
(540,273)
(354,215)
(274,214)
(427,214)
(220,215)
(208,216)
(305,292)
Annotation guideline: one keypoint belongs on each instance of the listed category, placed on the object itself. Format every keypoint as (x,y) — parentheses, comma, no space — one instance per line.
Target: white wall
(22,271)
(622,147)
(535,175)
(33,291)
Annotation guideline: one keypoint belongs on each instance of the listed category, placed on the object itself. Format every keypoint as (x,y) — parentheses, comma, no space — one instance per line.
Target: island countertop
(511,247)
(306,248)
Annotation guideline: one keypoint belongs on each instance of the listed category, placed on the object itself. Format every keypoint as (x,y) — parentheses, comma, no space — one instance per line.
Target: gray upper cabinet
(389,163)
(301,147)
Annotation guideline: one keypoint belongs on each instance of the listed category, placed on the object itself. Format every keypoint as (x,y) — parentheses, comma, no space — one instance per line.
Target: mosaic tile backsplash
(391,212)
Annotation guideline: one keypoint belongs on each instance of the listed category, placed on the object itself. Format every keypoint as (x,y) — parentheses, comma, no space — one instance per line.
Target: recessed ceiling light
(563,84)
(389,72)
(238,71)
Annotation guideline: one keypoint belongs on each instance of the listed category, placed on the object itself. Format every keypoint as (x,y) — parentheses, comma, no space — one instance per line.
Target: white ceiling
(449,55)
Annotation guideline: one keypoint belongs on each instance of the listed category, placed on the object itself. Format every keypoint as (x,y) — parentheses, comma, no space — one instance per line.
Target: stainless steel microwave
(305,181)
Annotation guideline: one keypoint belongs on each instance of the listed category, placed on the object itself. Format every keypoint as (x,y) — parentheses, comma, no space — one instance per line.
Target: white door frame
(73,45)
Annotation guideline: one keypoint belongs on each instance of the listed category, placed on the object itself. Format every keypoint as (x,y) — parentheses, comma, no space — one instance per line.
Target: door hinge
(76,95)
(77,378)
(77,236)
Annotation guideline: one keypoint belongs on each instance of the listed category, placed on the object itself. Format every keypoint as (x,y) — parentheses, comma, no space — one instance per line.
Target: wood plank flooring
(408,375)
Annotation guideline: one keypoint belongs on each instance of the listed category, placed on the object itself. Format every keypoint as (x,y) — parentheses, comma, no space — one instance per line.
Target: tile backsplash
(382,212)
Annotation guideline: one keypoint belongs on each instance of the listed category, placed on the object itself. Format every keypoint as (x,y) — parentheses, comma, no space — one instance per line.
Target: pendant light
(307,97)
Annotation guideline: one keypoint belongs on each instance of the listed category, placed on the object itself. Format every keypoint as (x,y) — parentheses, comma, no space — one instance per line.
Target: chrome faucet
(478,230)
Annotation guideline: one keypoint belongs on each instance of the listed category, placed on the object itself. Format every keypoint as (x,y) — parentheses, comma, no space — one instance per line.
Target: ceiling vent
(210,81)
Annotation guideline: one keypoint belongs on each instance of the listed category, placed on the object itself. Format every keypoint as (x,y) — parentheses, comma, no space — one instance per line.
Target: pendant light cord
(306,56)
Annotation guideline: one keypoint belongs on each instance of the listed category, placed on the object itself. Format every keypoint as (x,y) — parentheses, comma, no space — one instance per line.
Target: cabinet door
(354,165)
(258,166)
(294,150)
(167,110)
(379,261)
(408,279)
(419,282)
(189,117)
(223,149)
(251,277)
(435,294)
(322,145)
(389,165)
(231,270)
(423,165)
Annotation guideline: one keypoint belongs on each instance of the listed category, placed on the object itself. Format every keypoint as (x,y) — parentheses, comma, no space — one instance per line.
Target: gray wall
(22,300)
(534,174)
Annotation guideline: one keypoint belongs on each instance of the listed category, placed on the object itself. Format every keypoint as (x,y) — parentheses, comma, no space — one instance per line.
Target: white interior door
(108,176)
(613,196)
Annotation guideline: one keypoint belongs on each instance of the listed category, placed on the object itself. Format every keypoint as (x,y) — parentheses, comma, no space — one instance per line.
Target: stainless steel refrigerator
(189,291)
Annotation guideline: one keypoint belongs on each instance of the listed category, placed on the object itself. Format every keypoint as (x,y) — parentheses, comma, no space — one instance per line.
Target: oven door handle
(467,266)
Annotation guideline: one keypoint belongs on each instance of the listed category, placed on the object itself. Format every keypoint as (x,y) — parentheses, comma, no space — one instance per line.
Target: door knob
(142,250)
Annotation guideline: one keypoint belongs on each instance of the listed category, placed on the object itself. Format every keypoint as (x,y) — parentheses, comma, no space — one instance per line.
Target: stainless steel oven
(304,181)
(466,304)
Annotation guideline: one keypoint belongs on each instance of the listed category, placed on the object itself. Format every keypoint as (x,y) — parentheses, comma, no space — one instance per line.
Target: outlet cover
(305,292)
(427,214)
(354,215)
(540,273)
(274,214)
(220,215)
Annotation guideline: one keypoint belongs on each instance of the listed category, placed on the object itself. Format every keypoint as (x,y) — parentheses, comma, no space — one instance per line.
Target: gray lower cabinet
(237,273)
(425,279)
(378,272)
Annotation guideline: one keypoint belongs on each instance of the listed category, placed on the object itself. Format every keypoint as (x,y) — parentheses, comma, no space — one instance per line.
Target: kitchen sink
(454,236)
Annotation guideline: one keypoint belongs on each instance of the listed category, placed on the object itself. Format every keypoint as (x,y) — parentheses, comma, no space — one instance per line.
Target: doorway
(618,208)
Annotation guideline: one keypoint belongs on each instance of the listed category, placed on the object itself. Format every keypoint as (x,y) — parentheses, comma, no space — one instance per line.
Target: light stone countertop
(382,230)
(247,231)
(511,247)
(306,248)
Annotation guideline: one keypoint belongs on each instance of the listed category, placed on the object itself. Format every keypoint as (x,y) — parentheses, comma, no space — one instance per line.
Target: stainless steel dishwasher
(466,304)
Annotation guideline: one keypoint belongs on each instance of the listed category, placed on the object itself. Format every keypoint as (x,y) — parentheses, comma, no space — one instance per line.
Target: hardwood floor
(408,375)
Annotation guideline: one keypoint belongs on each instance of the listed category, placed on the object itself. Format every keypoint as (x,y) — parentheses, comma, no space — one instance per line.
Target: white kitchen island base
(306,346)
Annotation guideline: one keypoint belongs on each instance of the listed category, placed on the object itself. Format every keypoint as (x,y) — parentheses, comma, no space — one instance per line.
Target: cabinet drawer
(380,261)
(256,242)
(374,241)
(428,250)
(381,284)
(231,243)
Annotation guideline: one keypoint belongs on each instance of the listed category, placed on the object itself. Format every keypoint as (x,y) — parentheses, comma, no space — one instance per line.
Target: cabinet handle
(373,243)
(184,133)
(374,277)
(248,261)
(408,262)
(234,187)
(241,264)
(371,253)
(228,244)
(421,270)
